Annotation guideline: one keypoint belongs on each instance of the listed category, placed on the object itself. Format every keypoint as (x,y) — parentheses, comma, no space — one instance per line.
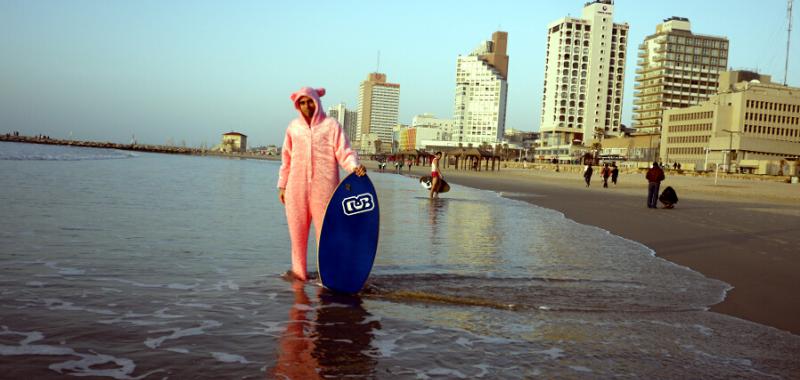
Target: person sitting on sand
(668,197)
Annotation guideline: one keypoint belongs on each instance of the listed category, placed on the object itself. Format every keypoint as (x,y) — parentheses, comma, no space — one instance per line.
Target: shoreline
(162,149)
(745,233)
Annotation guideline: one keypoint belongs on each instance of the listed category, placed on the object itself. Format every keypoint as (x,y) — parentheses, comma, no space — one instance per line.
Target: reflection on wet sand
(330,340)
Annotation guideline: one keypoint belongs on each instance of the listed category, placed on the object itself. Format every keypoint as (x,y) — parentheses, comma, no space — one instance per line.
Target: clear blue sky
(192,70)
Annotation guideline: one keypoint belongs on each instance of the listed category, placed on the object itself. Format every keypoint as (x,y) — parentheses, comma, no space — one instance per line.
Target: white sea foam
(176,286)
(64,270)
(225,284)
(229,358)
(178,333)
(553,353)
(81,367)
(384,345)
(450,373)
(162,313)
(57,304)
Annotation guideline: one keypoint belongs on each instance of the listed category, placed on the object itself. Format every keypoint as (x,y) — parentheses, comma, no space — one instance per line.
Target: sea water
(145,266)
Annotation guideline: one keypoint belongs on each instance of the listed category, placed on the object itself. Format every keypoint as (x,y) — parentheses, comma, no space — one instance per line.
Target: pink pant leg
(317,209)
(298,216)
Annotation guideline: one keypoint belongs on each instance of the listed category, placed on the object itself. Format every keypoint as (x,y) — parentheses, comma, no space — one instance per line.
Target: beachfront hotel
(751,126)
(378,111)
(584,80)
(676,69)
(479,114)
(347,118)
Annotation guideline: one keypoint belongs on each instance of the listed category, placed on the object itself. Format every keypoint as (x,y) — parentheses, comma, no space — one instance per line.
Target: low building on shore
(234,142)
(751,126)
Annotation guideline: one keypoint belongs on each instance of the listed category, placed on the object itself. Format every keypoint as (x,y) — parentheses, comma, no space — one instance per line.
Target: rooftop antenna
(788,40)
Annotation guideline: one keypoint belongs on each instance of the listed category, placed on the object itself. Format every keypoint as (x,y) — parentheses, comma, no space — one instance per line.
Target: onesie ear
(294,97)
(320,92)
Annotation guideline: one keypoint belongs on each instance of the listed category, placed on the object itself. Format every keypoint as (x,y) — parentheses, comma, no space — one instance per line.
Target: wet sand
(743,232)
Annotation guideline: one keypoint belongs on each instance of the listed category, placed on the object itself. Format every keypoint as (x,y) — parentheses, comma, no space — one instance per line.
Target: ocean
(146,266)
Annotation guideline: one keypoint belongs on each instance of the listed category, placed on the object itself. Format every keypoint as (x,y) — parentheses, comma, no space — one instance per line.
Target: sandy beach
(743,232)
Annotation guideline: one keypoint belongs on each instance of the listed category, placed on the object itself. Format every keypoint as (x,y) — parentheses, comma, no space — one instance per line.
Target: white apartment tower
(347,118)
(584,79)
(676,69)
(378,112)
(481,89)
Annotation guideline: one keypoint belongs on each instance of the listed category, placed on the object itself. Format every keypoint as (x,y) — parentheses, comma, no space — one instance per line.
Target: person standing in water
(313,149)
(436,175)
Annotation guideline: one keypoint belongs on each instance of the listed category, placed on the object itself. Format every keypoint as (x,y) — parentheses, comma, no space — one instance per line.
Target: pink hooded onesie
(310,172)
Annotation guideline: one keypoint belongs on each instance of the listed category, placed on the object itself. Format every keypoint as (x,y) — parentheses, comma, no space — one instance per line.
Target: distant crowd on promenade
(654,176)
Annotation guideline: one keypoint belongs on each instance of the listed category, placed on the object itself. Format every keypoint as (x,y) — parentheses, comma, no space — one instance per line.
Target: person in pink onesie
(313,149)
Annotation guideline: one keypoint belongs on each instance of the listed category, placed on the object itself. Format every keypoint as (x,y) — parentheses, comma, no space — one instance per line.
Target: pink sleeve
(345,155)
(286,161)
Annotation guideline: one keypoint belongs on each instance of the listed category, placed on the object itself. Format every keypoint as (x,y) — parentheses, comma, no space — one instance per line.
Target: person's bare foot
(291,276)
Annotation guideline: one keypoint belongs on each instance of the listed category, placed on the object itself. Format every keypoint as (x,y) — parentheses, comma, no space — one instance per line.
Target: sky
(185,71)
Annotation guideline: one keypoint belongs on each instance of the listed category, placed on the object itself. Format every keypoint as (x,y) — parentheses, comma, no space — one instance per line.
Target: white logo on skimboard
(358,204)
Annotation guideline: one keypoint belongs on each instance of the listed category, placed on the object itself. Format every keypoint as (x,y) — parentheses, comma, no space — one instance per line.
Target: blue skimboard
(349,238)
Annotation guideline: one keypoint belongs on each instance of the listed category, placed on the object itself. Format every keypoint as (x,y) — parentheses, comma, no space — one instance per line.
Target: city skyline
(190,72)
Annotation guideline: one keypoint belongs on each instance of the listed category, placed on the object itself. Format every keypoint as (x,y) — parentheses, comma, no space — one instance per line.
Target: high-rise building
(481,90)
(584,80)
(676,69)
(347,118)
(751,125)
(378,112)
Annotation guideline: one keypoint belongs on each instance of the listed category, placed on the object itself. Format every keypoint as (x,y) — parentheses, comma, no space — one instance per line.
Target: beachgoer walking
(409,163)
(436,175)
(605,172)
(654,177)
(587,174)
(313,149)
(614,173)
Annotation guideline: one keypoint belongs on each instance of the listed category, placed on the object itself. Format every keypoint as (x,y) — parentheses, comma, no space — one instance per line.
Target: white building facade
(481,92)
(378,112)
(584,80)
(676,69)
(347,118)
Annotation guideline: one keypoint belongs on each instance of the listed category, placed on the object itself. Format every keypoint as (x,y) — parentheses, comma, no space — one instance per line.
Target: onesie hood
(313,93)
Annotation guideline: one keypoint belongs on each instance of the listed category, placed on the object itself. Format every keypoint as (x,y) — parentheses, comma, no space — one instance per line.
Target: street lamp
(730,147)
